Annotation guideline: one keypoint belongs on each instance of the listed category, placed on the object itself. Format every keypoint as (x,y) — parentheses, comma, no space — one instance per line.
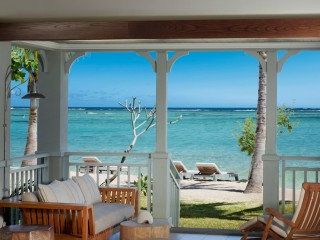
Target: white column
(162,102)
(5,61)
(53,114)
(161,186)
(161,163)
(271,159)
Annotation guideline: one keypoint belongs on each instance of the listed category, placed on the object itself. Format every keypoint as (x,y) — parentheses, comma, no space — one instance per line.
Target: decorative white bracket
(280,62)
(174,58)
(149,58)
(256,55)
(170,62)
(285,58)
(43,60)
(69,60)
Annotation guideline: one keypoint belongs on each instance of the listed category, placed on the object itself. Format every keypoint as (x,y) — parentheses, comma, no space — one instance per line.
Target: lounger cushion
(73,190)
(277,226)
(88,188)
(107,215)
(53,192)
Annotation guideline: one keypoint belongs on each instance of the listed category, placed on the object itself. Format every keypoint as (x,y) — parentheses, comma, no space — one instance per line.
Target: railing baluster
(283,192)
(305,176)
(12,175)
(128,176)
(294,192)
(118,176)
(149,187)
(108,176)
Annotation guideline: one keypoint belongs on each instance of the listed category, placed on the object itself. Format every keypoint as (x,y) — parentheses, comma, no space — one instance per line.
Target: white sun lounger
(182,169)
(211,170)
(93,168)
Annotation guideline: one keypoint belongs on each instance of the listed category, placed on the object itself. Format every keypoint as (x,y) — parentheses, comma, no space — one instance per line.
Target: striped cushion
(73,191)
(89,188)
(54,192)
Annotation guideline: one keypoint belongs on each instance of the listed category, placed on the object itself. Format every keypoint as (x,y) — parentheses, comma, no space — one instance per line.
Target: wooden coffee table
(27,232)
(131,230)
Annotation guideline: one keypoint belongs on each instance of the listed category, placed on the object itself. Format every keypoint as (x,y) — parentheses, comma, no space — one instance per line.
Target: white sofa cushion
(107,215)
(73,190)
(54,192)
(89,188)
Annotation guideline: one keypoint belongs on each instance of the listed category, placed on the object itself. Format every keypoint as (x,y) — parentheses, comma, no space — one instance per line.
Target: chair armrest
(122,195)
(65,218)
(273,212)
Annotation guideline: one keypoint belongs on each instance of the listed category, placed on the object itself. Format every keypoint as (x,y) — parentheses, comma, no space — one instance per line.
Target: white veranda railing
(175,178)
(131,173)
(294,171)
(135,171)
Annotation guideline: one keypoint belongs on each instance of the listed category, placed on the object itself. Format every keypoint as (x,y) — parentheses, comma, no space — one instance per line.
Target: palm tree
(24,63)
(256,171)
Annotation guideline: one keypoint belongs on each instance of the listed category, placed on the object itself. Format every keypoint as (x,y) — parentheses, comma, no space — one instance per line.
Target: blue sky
(201,79)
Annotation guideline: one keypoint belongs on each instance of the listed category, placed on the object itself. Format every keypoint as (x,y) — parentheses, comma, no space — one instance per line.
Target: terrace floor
(189,236)
(197,234)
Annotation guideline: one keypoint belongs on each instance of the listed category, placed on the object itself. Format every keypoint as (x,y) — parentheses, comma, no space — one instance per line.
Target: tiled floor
(188,236)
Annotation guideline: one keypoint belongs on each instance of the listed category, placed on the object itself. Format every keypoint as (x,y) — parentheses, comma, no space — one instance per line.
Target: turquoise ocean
(203,135)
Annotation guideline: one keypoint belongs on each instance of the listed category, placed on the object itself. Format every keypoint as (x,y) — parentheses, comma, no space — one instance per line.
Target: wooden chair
(305,223)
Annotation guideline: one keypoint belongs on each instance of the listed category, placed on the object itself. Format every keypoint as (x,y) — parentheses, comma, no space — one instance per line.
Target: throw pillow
(54,192)
(89,188)
(29,197)
(73,190)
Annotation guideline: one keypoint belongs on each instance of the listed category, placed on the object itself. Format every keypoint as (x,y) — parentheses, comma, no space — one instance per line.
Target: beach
(206,191)
(222,191)
(216,191)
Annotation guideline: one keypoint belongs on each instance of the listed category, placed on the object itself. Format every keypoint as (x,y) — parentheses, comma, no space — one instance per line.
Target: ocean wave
(308,110)
(77,109)
(91,113)
(188,110)
(244,110)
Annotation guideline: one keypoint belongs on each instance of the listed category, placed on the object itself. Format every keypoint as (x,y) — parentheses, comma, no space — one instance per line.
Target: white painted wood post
(53,114)
(161,185)
(271,159)
(5,61)
(161,164)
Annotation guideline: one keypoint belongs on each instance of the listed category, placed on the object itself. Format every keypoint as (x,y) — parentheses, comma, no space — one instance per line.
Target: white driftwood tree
(140,127)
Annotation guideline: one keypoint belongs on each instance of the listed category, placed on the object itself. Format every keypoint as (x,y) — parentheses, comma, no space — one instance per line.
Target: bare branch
(175,121)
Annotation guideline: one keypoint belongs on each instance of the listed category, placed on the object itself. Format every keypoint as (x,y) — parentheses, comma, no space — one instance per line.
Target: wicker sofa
(95,220)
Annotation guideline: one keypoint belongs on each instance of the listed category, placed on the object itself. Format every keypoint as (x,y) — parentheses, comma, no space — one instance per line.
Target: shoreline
(204,190)
(223,191)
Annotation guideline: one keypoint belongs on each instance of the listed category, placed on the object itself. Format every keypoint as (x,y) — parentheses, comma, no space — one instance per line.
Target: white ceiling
(67,10)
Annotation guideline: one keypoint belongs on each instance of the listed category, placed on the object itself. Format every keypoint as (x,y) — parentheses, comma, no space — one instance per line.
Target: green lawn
(217,215)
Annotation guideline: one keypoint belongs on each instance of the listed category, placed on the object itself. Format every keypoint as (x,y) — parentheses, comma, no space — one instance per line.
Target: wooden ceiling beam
(176,29)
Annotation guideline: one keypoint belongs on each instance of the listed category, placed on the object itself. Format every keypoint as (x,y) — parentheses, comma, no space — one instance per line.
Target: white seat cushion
(88,188)
(73,190)
(54,192)
(107,215)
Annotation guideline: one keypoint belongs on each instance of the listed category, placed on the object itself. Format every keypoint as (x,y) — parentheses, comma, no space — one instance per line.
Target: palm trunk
(32,140)
(256,171)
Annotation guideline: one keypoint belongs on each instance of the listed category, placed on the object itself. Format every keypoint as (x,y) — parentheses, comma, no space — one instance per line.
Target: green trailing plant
(26,187)
(143,184)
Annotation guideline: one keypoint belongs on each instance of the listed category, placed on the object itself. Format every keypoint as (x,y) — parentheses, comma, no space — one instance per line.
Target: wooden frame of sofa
(72,221)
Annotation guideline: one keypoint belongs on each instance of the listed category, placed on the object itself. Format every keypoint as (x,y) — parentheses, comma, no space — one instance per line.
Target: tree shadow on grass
(220,210)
